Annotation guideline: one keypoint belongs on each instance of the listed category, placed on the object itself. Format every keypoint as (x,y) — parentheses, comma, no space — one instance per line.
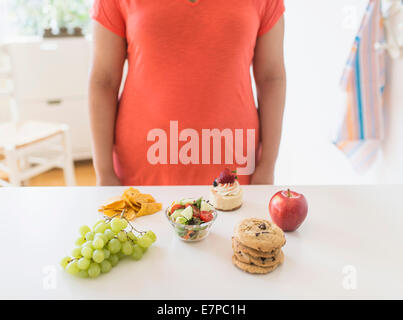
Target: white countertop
(358,226)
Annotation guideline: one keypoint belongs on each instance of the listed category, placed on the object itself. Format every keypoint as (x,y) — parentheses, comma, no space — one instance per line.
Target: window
(32,17)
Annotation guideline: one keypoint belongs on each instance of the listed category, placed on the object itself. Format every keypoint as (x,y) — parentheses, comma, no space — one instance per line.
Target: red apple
(288,209)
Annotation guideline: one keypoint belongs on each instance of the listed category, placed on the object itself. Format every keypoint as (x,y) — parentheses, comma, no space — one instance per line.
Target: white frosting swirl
(228,189)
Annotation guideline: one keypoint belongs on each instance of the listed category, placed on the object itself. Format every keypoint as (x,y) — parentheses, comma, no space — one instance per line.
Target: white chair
(30,148)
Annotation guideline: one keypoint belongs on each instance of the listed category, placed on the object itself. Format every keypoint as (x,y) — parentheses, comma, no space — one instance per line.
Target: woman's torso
(189,65)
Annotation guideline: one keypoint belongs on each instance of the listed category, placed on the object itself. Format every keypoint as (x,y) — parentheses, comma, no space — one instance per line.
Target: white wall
(319,36)
(391,168)
(3,26)
(5,114)
(4,101)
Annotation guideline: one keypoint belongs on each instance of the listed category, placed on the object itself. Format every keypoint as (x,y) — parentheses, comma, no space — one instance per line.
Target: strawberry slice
(206,216)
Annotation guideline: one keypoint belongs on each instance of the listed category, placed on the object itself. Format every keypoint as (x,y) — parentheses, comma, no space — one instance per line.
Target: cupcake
(226,192)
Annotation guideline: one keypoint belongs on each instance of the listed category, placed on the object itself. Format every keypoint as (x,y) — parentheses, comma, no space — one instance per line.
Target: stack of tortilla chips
(135,204)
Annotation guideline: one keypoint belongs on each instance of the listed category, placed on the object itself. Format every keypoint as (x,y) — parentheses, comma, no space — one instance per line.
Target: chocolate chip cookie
(250,268)
(237,246)
(260,262)
(259,234)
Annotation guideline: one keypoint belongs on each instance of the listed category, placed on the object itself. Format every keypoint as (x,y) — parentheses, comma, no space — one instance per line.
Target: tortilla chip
(130,192)
(135,198)
(111,213)
(143,198)
(115,203)
(149,208)
(128,202)
(135,204)
(130,214)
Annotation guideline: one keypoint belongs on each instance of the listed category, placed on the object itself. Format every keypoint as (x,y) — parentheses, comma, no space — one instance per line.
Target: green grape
(114,246)
(76,253)
(114,259)
(123,224)
(64,262)
(145,242)
(106,266)
(87,252)
(84,230)
(102,236)
(109,234)
(121,255)
(137,252)
(82,274)
(151,235)
(144,249)
(122,236)
(107,253)
(97,223)
(100,228)
(94,270)
(80,241)
(108,226)
(98,256)
(88,244)
(83,263)
(98,243)
(131,236)
(116,225)
(89,236)
(127,248)
(72,268)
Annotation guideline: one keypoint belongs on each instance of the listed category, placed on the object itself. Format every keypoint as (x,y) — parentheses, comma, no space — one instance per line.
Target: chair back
(8,105)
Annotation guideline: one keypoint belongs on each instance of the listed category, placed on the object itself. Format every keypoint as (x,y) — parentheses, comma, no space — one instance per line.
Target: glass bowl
(191,233)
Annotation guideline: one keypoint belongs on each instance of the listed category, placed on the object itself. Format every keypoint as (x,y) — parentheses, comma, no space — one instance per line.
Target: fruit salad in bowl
(191,218)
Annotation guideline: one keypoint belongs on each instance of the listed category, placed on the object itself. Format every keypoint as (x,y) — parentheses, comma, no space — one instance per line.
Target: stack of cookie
(257,246)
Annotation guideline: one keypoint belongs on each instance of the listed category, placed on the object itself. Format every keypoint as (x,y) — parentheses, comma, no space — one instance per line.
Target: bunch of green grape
(100,249)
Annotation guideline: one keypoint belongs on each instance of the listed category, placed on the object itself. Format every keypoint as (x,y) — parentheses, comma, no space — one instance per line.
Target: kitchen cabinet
(50,83)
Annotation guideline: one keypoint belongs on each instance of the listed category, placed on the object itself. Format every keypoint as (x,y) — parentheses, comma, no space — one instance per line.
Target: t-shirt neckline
(192,3)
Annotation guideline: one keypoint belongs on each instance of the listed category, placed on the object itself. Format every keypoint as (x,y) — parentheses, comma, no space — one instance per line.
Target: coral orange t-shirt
(187,109)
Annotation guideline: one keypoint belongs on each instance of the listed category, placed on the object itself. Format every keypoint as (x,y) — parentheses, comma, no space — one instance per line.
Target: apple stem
(288,193)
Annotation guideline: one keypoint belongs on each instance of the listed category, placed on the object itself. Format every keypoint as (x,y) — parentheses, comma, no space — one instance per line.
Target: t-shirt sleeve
(108,13)
(273,10)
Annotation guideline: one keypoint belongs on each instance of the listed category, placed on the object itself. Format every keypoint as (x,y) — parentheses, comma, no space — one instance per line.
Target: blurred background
(45,50)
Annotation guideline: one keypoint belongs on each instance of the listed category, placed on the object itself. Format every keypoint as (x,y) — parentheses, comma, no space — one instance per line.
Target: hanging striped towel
(361,130)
